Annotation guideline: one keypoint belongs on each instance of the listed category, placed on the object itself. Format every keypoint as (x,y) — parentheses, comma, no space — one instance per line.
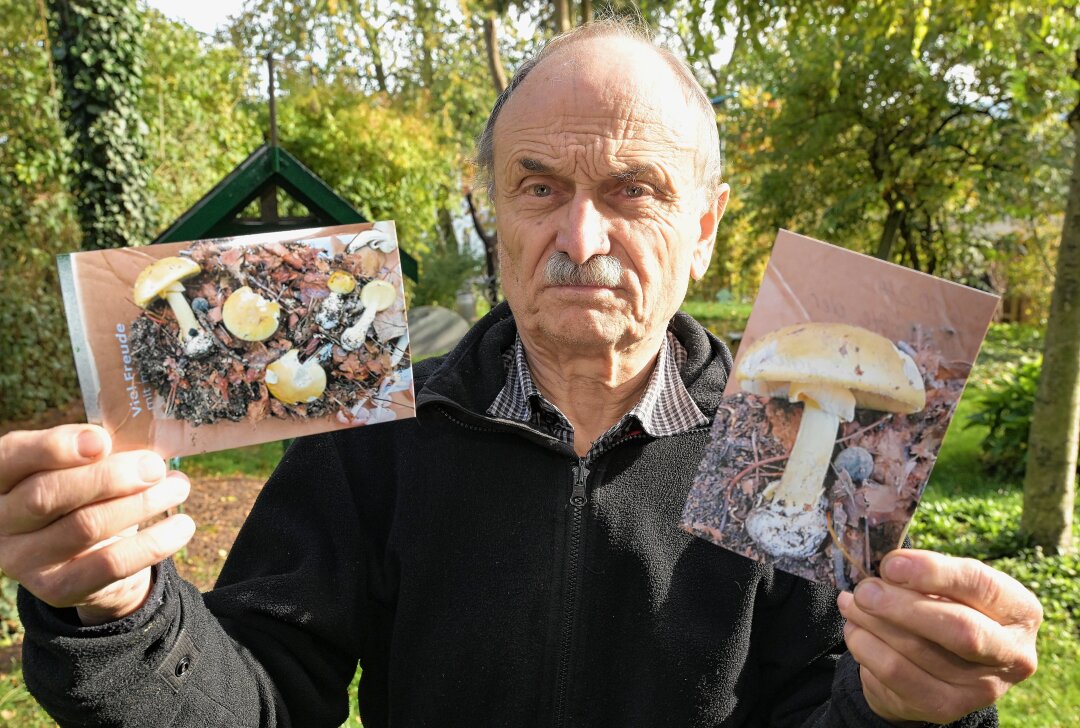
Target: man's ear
(710,220)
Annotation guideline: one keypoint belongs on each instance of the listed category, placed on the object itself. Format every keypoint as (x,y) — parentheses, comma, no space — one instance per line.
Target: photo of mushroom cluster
(818,463)
(241,332)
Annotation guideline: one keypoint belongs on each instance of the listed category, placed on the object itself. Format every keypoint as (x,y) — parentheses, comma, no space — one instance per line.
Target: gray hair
(631,28)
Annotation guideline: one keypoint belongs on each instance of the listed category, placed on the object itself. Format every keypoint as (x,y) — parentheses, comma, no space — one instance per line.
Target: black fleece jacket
(445,555)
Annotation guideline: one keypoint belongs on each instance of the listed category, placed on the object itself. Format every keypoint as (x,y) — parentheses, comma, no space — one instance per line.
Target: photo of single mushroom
(287,333)
(835,409)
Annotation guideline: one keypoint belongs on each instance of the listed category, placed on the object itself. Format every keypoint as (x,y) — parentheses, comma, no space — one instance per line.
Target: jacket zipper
(578,499)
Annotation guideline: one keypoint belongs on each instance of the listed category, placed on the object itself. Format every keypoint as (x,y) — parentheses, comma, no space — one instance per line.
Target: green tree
(202,110)
(97,46)
(411,60)
(893,125)
(383,160)
(37,219)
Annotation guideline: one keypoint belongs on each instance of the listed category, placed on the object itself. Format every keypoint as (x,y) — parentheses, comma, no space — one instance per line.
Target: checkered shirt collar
(665,408)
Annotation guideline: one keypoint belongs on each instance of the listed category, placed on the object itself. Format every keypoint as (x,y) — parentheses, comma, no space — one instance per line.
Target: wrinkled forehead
(620,93)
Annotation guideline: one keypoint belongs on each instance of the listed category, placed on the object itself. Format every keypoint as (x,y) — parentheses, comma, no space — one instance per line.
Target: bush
(37,221)
(1004,347)
(1005,410)
(442,274)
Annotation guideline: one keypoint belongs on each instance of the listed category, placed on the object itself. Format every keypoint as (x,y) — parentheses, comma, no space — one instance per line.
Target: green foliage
(977,526)
(926,137)
(380,157)
(17,705)
(726,320)
(732,311)
(966,513)
(197,100)
(983,525)
(1004,346)
(442,274)
(1055,579)
(1001,394)
(36,221)
(10,627)
(99,57)
(1005,410)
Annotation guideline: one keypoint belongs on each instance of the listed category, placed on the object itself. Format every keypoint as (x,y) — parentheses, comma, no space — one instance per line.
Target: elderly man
(511,556)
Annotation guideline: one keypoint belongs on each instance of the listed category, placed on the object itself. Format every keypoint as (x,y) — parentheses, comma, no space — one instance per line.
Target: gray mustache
(599,270)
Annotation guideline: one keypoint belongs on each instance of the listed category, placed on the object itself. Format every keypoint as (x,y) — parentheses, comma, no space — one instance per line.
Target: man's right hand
(69,515)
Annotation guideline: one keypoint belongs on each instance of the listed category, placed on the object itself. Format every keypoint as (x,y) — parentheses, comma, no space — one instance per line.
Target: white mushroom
(161,279)
(376,296)
(374,238)
(831,368)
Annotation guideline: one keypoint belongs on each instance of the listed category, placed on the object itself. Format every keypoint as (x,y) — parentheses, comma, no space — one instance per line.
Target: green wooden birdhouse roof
(221,211)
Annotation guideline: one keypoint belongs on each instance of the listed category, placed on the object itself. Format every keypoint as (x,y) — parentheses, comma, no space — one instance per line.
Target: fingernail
(179,484)
(172,491)
(89,444)
(868,595)
(897,569)
(844,601)
(151,468)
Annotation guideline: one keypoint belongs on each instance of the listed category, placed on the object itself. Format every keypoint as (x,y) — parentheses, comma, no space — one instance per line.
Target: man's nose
(583,232)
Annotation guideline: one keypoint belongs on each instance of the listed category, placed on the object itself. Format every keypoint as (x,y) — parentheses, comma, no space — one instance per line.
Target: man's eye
(636,191)
(541,190)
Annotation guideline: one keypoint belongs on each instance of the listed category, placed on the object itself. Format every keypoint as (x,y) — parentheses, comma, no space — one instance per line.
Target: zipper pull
(581,474)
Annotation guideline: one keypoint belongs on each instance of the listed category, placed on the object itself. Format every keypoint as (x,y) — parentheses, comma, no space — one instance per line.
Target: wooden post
(273,100)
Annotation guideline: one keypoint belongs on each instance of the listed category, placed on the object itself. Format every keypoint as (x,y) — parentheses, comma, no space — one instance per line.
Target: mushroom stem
(354,336)
(791,523)
(803,480)
(185,317)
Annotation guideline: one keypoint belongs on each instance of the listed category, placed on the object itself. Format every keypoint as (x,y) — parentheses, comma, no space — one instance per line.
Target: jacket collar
(473,373)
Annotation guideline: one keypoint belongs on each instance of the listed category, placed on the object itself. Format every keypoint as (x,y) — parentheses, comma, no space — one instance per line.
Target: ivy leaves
(99,58)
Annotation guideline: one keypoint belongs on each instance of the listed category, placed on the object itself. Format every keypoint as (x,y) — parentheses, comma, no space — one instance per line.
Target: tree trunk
(495,64)
(562,16)
(586,11)
(1050,481)
(446,230)
(372,37)
(491,253)
(890,232)
(430,38)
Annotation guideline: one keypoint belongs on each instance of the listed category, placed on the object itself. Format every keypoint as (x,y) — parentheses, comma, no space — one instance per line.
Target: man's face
(596,154)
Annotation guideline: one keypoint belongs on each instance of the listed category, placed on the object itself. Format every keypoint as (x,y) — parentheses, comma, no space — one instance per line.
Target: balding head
(575,52)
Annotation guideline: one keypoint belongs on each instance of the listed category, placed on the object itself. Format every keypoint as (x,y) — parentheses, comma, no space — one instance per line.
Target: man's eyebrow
(630,174)
(534,166)
(648,171)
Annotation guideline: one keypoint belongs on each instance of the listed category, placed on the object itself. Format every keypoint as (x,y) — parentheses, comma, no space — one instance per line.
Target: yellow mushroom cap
(291,382)
(378,294)
(157,277)
(827,355)
(249,316)
(341,282)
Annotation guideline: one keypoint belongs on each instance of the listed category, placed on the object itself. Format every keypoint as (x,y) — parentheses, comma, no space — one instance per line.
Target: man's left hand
(938,637)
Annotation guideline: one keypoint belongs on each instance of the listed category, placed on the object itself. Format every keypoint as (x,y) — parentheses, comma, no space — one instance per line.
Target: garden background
(934,134)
